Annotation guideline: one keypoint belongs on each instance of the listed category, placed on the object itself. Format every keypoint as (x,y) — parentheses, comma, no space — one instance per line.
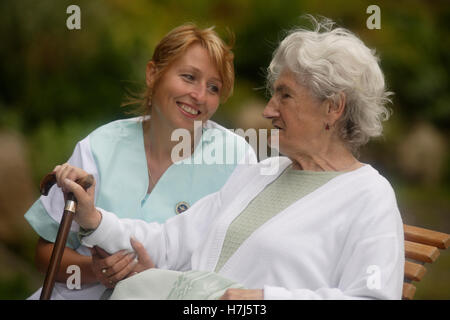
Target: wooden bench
(421,246)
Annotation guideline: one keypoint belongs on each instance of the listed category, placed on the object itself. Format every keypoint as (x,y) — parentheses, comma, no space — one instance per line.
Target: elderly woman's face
(188,91)
(299,116)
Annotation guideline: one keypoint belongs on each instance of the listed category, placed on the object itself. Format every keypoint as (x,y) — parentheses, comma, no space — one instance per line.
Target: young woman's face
(189,89)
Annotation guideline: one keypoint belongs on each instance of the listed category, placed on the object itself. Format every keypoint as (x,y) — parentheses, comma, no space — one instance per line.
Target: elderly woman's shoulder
(376,209)
(372,182)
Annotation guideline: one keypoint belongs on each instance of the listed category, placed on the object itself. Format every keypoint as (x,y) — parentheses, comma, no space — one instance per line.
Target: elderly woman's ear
(335,107)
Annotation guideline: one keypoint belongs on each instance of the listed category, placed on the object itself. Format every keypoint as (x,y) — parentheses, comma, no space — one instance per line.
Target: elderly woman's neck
(334,158)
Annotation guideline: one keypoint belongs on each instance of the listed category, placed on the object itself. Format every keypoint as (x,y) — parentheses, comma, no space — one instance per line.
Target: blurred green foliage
(57,85)
(13,288)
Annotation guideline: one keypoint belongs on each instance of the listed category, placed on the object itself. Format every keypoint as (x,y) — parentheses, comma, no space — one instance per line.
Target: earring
(327,127)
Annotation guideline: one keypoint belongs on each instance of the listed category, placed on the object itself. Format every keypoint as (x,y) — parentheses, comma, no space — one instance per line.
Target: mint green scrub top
(118,155)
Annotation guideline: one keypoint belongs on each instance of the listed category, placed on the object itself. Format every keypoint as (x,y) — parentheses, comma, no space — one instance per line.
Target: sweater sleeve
(372,261)
(170,245)
(374,271)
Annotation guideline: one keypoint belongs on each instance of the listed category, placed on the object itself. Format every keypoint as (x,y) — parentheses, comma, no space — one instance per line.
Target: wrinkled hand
(67,171)
(86,215)
(243,294)
(110,269)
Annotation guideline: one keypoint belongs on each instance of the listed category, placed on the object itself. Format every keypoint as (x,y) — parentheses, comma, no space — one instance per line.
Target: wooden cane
(64,227)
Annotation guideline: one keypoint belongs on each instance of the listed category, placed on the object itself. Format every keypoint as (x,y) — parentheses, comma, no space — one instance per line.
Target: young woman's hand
(110,269)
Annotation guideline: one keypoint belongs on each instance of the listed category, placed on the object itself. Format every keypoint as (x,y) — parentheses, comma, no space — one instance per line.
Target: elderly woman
(326,226)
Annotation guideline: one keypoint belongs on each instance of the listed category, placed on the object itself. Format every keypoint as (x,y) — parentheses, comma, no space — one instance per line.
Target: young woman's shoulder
(118,127)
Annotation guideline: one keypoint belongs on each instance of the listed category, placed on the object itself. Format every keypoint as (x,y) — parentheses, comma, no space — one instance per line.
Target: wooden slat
(426,236)
(414,271)
(421,252)
(408,291)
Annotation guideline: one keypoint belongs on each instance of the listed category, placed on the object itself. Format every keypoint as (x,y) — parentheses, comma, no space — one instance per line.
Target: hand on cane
(108,269)
(86,215)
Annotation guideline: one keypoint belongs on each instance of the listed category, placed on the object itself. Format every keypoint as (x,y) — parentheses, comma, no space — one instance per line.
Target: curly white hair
(329,61)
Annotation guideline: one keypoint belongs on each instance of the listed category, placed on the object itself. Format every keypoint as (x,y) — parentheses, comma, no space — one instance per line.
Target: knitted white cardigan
(342,241)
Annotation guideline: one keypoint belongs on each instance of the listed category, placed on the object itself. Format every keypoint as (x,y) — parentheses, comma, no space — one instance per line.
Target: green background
(57,85)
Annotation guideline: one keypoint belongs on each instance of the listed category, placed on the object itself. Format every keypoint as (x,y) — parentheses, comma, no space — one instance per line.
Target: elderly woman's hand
(86,215)
(243,294)
(67,171)
(110,269)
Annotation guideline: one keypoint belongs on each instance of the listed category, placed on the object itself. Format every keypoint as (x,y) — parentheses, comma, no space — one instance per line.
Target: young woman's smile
(189,90)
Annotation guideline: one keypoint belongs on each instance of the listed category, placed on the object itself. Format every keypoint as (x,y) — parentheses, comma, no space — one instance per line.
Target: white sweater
(342,241)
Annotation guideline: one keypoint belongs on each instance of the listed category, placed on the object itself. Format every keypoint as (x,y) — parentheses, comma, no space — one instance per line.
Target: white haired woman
(325,226)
